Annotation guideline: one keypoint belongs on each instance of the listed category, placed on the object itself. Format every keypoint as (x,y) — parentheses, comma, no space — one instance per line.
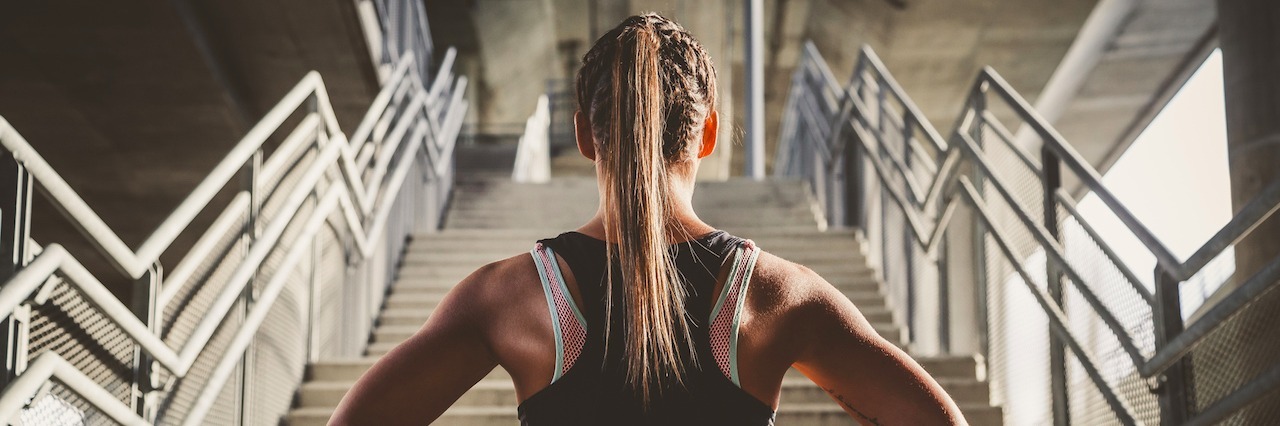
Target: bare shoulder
(494,286)
(803,307)
(779,285)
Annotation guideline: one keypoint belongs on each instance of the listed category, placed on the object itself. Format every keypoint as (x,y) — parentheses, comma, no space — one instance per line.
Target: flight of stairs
(494,219)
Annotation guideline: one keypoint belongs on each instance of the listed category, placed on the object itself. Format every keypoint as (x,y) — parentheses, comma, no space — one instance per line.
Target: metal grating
(175,404)
(73,328)
(1235,354)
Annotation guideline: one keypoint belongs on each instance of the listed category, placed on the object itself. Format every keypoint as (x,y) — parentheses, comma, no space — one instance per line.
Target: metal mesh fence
(61,407)
(174,405)
(179,318)
(277,356)
(332,263)
(1018,339)
(70,326)
(1115,286)
(1237,352)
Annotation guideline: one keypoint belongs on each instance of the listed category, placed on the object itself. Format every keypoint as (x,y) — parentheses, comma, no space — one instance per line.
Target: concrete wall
(578,23)
(517,56)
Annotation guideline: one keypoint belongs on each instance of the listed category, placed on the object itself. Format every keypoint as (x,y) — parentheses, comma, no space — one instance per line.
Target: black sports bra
(590,388)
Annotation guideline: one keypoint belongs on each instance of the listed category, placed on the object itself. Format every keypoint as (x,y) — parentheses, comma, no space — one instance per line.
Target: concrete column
(517,52)
(753,24)
(1249,31)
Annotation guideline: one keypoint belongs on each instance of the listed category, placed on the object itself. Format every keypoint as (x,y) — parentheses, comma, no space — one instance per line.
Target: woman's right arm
(420,378)
(872,379)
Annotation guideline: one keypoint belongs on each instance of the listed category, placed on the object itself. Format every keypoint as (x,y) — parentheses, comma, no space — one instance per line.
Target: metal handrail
(928,212)
(366,206)
(931,238)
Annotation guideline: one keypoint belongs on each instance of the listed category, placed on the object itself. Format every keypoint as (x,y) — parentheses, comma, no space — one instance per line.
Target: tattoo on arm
(863,416)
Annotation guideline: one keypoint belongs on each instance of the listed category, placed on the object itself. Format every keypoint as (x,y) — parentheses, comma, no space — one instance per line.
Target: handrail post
(914,332)
(977,240)
(1050,181)
(1174,384)
(15,219)
(146,379)
(855,174)
(250,182)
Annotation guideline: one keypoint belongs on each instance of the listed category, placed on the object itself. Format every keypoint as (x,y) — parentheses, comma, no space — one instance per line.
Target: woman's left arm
(419,379)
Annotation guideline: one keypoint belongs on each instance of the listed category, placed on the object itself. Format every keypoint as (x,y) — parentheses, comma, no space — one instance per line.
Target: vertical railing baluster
(1051,180)
(1174,389)
(313,292)
(15,229)
(978,239)
(250,183)
(908,240)
(145,378)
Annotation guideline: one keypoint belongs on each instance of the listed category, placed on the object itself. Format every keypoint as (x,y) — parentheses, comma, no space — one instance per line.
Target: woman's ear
(582,134)
(709,131)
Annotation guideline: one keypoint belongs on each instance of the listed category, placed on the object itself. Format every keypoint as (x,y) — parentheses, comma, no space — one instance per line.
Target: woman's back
(592,386)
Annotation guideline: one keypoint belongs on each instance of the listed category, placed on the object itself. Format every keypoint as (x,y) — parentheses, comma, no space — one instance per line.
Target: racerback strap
(567,323)
(727,313)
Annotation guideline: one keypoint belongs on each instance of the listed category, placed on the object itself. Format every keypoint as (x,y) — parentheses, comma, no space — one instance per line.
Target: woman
(628,320)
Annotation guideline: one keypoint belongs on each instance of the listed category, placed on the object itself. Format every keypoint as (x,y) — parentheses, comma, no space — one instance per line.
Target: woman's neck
(684,224)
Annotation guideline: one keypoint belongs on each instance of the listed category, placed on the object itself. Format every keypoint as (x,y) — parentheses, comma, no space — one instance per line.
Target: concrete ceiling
(135,102)
(934,48)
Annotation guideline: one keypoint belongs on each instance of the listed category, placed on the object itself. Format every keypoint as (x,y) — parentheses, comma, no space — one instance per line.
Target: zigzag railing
(337,209)
(876,163)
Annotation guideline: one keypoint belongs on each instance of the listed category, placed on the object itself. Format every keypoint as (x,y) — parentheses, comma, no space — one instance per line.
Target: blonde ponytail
(646,86)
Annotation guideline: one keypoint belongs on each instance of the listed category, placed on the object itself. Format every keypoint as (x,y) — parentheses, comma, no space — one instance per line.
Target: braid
(687,74)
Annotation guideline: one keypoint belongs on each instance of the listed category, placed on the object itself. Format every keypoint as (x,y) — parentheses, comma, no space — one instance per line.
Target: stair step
(498,244)
(808,414)
(458,271)
(797,235)
(495,392)
(428,300)
(412,284)
(417,317)
(445,256)
(445,276)
(396,333)
(403,317)
(570,222)
(942,368)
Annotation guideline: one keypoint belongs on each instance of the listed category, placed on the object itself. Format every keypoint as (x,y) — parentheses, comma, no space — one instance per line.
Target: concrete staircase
(492,219)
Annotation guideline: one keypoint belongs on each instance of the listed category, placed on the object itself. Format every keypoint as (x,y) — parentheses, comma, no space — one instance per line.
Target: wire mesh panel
(1117,288)
(61,406)
(179,318)
(331,268)
(278,352)
(175,404)
(70,326)
(1236,354)
(1018,353)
